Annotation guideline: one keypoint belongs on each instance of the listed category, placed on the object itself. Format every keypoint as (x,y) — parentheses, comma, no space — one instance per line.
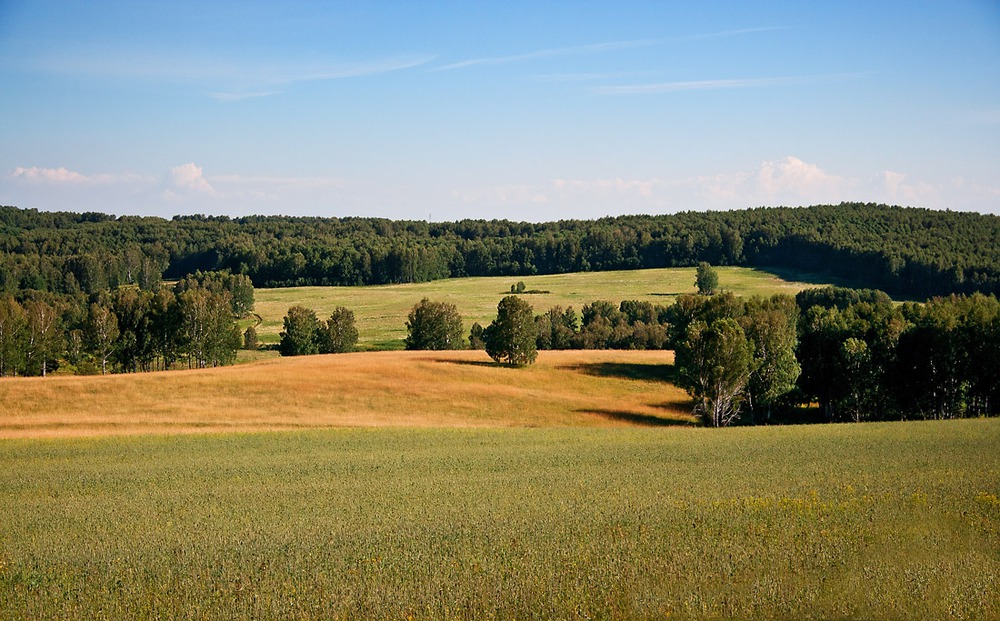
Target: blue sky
(521,110)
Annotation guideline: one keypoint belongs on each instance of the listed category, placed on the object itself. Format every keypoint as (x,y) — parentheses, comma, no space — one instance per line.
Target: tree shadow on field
(643,420)
(624,370)
(468,363)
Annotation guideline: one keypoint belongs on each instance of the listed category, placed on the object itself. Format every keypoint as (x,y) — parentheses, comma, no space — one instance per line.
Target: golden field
(396,389)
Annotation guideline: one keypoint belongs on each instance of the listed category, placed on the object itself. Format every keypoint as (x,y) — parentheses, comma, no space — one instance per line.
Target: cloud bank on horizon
(510,111)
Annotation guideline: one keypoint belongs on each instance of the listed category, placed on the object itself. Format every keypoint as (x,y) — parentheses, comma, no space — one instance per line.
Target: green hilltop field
(381,310)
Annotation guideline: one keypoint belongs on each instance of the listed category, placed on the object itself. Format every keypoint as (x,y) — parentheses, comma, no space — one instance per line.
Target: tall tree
(299,336)
(511,336)
(715,363)
(102,333)
(44,336)
(770,327)
(338,334)
(434,325)
(13,326)
(706,279)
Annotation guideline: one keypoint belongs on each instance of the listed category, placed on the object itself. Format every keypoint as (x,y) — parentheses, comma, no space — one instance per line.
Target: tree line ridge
(905,251)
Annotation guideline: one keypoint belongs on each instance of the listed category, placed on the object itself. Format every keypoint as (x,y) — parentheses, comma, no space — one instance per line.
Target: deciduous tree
(511,337)
(714,364)
(434,325)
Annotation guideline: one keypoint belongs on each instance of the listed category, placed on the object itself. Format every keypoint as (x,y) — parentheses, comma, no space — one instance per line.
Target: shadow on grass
(643,420)
(469,363)
(624,370)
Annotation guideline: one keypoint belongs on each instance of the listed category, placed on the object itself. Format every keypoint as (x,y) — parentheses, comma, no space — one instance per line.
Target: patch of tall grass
(874,521)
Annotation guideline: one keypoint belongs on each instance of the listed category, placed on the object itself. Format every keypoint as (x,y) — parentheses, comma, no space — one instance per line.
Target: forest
(907,252)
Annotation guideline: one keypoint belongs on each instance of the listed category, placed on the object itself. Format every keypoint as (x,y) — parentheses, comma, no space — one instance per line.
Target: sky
(532,111)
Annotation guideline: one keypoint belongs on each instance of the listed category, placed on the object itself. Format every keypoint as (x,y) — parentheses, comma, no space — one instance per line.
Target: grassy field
(413,389)
(872,521)
(381,311)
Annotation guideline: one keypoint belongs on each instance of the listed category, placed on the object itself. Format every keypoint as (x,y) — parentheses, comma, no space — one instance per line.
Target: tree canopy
(434,325)
(905,251)
(511,337)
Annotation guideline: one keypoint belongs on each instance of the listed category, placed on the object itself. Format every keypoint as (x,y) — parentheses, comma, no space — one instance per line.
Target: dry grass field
(397,389)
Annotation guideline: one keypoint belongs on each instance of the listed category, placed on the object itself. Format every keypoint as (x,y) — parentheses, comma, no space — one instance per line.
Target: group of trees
(912,252)
(867,359)
(853,352)
(305,334)
(509,339)
(126,329)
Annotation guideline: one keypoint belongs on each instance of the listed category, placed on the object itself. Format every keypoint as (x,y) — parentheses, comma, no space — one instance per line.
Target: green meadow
(381,311)
(872,521)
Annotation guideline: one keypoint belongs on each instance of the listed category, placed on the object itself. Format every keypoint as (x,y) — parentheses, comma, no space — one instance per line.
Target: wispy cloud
(702,85)
(228,97)
(64,176)
(234,80)
(730,33)
(547,53)
(695,85)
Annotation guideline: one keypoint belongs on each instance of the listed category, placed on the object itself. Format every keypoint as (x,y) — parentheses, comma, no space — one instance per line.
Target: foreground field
(573,388)
(874,521)
(381,311)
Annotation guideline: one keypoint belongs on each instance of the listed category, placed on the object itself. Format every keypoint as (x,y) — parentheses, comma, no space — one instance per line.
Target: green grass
(874,521)
(381,311)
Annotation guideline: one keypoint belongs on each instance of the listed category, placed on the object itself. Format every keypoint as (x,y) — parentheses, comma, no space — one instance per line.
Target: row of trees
(855,353)
(913,252)
(122,330)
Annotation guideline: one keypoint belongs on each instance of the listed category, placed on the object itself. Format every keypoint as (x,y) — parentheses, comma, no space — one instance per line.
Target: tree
(299,336)
(706,279)
(476,337)
(770,327)
(102,333)
(212,337)
(434,325)
(13,325)
(715,362)
(339,333)
(44,335)
(250,338)
(511,336)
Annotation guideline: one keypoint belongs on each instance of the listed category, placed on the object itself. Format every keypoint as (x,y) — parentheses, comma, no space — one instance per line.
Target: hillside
(381,311)
(905,251)
(394,389)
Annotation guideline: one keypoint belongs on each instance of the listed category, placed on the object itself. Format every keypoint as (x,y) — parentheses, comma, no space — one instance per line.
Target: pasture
(873,521)
(411,389)
(381,311)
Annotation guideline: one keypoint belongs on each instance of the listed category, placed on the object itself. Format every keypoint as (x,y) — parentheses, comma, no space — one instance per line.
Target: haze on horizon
(516,110)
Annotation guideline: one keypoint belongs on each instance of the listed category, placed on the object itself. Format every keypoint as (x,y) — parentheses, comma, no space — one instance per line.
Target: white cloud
(64,176)
(792,176)
(189,177)
(49,175)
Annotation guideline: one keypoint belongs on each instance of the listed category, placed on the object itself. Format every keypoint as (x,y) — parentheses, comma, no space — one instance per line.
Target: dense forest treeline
(906,251)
